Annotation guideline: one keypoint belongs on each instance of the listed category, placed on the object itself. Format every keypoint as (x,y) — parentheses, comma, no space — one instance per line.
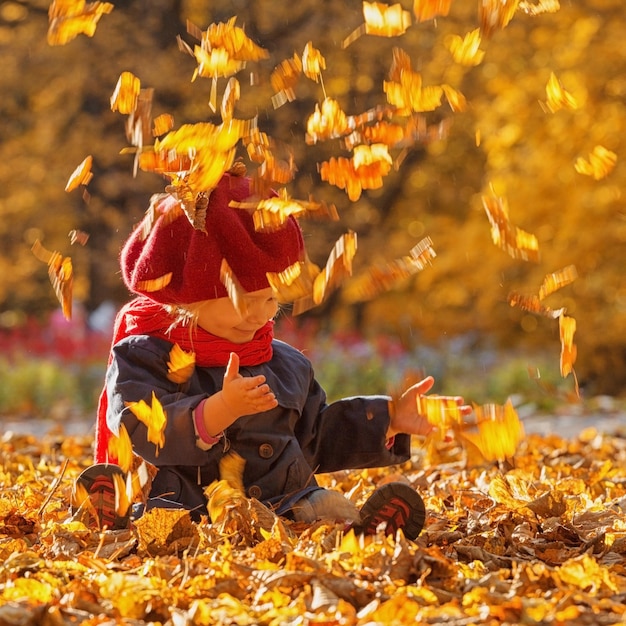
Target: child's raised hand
(404,414)
(245,395)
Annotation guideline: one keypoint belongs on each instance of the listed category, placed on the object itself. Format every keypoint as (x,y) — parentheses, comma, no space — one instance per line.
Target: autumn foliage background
(56,110)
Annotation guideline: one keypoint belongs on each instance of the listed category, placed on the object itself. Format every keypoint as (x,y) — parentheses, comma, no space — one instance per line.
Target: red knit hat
(194,257)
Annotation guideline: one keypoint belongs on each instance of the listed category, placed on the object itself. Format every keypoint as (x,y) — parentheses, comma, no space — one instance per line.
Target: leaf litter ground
(538,540)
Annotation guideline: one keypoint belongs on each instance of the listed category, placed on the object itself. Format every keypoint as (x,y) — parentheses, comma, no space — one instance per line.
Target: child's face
(220,317)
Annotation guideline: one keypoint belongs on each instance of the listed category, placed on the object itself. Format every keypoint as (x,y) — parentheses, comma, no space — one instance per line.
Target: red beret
(194,257)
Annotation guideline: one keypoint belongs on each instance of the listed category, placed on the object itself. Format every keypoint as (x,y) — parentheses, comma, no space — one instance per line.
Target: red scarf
(142,316)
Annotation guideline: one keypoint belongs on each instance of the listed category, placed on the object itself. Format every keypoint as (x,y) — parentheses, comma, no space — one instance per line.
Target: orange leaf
(81,175)
(517,243)
(429,9)
(495,14)
(381,278)
(61,275)
(181,364)
(567,328)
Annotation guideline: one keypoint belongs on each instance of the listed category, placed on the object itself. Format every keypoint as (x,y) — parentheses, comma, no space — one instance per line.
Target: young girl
(249,392)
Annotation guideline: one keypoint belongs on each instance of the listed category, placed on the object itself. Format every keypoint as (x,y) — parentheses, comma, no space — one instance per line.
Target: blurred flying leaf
(600,164)
(517,243)
(61,275)
(181,365)
(153,417)
(379,278)
(70,18)
(82,175)
(557,97)
(466,50)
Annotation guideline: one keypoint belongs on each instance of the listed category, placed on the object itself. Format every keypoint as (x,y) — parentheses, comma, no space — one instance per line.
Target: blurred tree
(55,110)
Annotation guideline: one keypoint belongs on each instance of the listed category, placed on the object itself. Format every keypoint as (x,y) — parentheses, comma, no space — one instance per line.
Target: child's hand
(245,395)
(404,417)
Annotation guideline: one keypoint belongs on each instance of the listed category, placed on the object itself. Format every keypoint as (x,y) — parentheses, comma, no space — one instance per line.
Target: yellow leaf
(153,417)
(466,50)
(500,431)
(600,164)
(126,93)
(121,448)
(181,364)
(557,97)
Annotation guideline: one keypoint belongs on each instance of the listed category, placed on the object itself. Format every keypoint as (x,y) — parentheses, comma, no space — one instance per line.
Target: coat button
(266,451)
(254,492)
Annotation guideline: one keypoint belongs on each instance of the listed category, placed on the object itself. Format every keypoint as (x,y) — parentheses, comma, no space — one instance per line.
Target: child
(249,392)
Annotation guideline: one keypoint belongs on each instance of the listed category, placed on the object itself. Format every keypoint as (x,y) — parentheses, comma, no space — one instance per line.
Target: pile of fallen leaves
(540,540)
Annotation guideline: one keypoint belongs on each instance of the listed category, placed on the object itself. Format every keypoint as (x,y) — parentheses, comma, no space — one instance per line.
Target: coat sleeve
(349,433)
(139,368)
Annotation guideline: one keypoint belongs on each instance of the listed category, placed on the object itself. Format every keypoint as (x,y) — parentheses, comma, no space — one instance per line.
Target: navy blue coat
(284,447)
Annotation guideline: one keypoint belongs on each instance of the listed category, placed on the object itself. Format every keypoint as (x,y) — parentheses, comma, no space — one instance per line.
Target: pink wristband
(389,443)
(198,418)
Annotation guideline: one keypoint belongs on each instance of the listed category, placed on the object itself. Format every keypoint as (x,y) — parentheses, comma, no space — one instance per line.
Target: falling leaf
(381,20)
(600,164)
(440,411)
(567,328)
(234,289)
(533,304)
(181,365)
(270,214)
(466,50)
(81,175)
(495,15)
(379,278)
(425,10)
(557,97)
(455,98)
(337,268)
(78,236)
(542,6)
(162,124)
(517,243)
(294,282)
(126,93)
(327,122)
(313,62)
(70,18)
(121,448)
(365,170)
(232,93)
(556,280)
(500,431)
(61,275)
(153,417)
(151,285)
(284,78)
(405,89)
(385,20)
